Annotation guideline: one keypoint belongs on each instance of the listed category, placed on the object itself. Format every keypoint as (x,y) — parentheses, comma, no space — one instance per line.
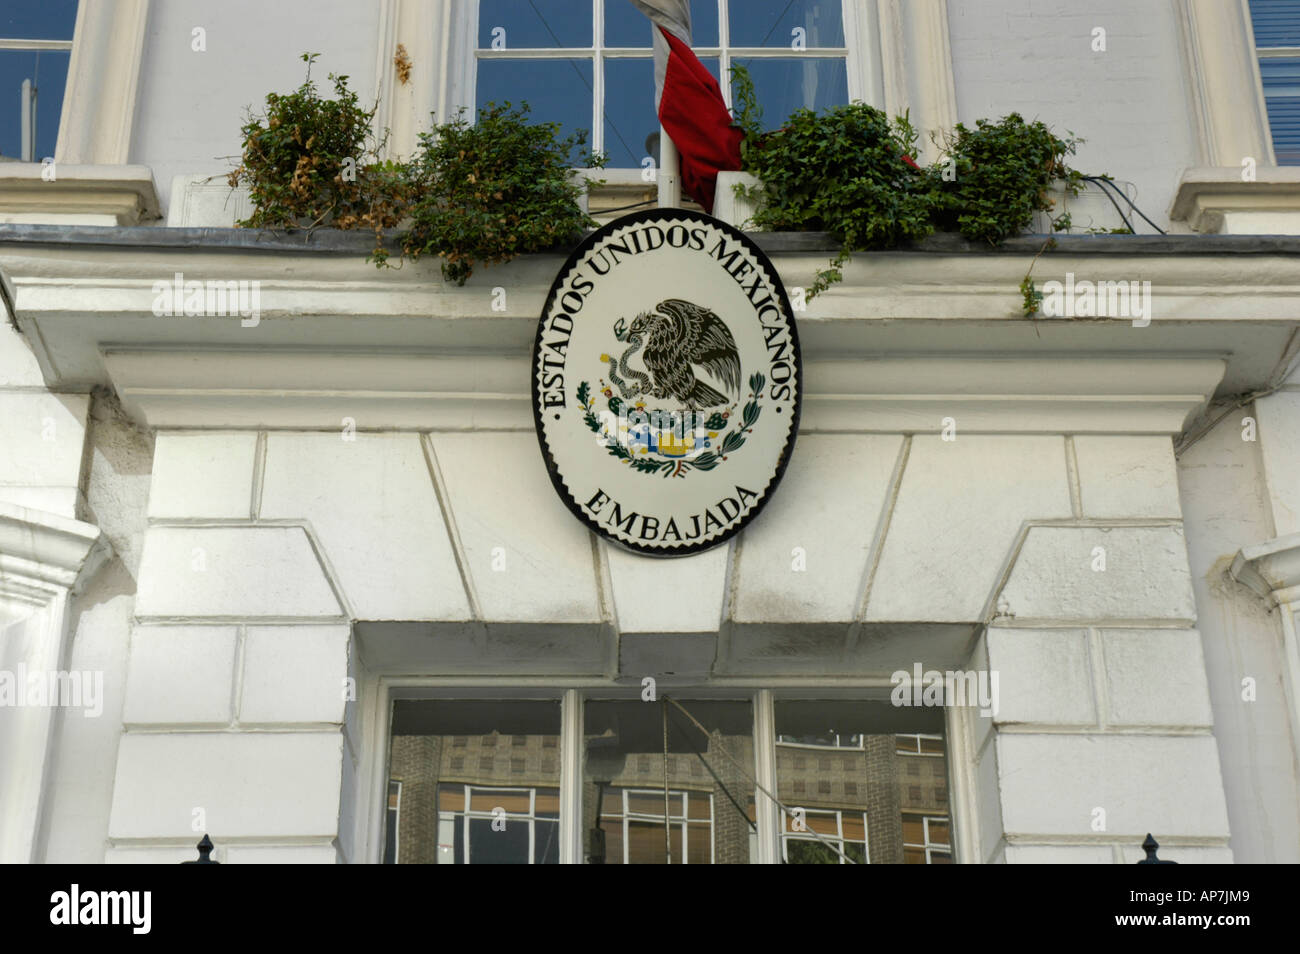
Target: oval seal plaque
(666,381)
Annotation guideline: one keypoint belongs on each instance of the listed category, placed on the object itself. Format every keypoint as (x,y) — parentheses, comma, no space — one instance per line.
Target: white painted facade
(228,521)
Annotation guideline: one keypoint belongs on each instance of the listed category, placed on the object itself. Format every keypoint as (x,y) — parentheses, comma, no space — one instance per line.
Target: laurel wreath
(732,441)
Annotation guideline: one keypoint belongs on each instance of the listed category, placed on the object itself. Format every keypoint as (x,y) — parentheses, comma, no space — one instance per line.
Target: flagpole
(669,173)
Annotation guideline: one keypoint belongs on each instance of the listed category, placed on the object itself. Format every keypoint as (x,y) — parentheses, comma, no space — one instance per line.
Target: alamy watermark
(212,298)
(53,687)
(948,688)
(1088,299)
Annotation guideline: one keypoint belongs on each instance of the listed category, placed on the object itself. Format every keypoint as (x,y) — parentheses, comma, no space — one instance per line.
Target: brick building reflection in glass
(475,781)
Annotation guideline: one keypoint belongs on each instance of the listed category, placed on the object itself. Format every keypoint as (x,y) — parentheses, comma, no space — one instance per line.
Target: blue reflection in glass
(784,85)
(556,90)
(535,24)
(48,71)
(47,20)
(626,26)
(629,111)
(771,23)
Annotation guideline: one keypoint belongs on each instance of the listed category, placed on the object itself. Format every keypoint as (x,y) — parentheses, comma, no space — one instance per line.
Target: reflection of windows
(916,744)
(845,830)
(590,64)
(826,740)
(633,821)
(482,825)
(35,46)
(458,760)
(854,786)
(710,817)
(1277,44)
(926,839)
(394,816)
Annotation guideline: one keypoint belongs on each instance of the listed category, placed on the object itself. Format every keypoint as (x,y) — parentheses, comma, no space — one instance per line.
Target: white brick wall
(232,571)
(959,508)
(829,504)
(203,475)
(370,501)
(180,674)
(1051,784)
(251,785)
(294,674)
(1146,575)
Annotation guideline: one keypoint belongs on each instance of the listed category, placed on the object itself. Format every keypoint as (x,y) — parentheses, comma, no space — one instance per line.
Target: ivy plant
(992,178)
(847,171)
(309,161)
(851,171)
(502,187)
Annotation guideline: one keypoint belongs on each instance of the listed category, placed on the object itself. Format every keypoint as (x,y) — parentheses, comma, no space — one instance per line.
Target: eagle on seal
(679,334)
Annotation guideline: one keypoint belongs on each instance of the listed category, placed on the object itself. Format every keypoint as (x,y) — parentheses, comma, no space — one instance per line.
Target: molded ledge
(77,194)
(1218,199)
(1271,569)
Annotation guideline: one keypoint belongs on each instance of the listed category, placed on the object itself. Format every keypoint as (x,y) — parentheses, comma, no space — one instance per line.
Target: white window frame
(394,817)
(28,122)
(918,736)
(899,58)
(931,846)
(468,814)
(859,40)
(376,694)
(830,746)
(684,818)
(838,839)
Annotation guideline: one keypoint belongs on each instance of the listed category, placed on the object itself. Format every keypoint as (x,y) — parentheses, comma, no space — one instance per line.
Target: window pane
(1276,22)
(535,24)
(557,90)
(630,120)
(500,846)
(433,771)
(645,843)
(624,750)
(774,22)
(877,799)
(801,852)
(547,843)
(784,85)
(46,20)
(1281,78)
(626,26)
(939,832)
(704,23)
(698,844)
(48,72)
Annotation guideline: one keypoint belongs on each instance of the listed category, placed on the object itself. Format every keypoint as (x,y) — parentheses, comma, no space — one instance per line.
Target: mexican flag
(689,102)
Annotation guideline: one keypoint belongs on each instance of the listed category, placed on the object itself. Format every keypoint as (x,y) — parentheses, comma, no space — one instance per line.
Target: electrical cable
(722,785)
(1122,217)
(781,805)
(1103,181)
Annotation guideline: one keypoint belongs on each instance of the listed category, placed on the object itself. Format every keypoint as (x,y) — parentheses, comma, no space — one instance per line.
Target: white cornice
(43,553)
(1271,569)
(908,337)
(1211,199)
(313,390)
(77,194)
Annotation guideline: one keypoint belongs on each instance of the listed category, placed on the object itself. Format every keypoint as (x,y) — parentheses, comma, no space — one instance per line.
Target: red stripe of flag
(695,116)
